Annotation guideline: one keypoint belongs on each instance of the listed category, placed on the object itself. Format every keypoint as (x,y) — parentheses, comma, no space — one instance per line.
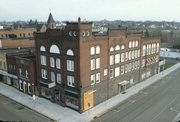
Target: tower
(50,22)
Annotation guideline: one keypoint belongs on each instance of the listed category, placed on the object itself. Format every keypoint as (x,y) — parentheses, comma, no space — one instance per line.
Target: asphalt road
(13,111)
(159,102)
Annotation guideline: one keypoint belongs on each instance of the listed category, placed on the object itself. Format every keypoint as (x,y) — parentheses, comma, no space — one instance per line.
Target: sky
(62,10)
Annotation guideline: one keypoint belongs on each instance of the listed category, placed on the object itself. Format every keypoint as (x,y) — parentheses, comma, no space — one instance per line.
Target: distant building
(50,22)
(78,69)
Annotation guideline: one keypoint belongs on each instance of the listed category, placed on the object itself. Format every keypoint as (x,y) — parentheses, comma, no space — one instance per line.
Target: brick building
(80,69)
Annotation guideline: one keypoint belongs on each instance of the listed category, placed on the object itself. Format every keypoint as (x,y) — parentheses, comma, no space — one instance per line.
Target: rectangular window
(93,79)
(122,69)
(44,73)
(129,55)
(97,77)
(117,58)
(126,68)
(132,66)
(52,64)
(117,71)
(143,63)
(138,53)
(126,56)
(111,73)
(52,76)
(122,57)
(129,67)
(105,72)
(92,64)
(29,88)
(132,55)
(97,63)
(43,60)
(111,59)
(70,65)
(58,78)
(58,63)
(70,80)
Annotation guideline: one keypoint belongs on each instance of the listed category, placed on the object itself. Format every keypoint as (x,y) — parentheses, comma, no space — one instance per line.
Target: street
(157,103)
(13,111)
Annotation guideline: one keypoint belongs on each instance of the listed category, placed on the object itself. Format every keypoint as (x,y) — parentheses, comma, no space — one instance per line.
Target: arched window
(97,49)
(42,48)
(111,49)
(54,49)
(92,51)
(133,44)
(130,45)
(70,52)
(122,47)
(117,47)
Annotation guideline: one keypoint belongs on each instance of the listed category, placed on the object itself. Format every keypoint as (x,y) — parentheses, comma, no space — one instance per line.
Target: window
(117,58)
(58,63)
(126,56)
(52,76)
(97,77)
(136,44)
(26,74)
(97,49)
(138,53)
(54,49)
(132,54)
(144,50)
(20,71)
(42,48)
(129,55)
(126,68)
(105,72)
(157,47)
(52,63)
(92,64)
(44,73)
(135,53)
(132,66)
(122,57)
(111,49)
(70,65)
(92,51)
(111,73)
(93,79)
(117,71)
(43,60)
(97,63)
(147,49)
(70,52)
(70,80)
(122,69)
(58,78)
(130,44)
(21,85)
(117,47)
(122,47)
(29,88)
(129,67)
(133,44)
(111,59)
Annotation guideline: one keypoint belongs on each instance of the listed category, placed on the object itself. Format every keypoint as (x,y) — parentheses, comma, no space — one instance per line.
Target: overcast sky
(168,10)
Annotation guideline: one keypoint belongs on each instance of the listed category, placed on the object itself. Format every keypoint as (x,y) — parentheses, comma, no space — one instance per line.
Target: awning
(123,82)
(7,74)
(47,84)
(71,93)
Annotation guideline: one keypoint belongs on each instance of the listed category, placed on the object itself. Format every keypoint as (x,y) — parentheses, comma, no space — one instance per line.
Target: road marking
(165,108)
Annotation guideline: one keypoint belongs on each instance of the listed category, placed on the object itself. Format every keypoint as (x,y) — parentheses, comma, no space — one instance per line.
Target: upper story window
(97,49)
(52,76)
(157,46)
(130,44)
(122,47)
(26,74)
(42,48)
(70,81)
(133,44)
(111,49)
(136,44)
(20,71)
(52,63)
(144,50)
(70,52)
(54,49)
(58,63)
(92,51)
(43,60)
(117,47)
(44,73)
(70,65)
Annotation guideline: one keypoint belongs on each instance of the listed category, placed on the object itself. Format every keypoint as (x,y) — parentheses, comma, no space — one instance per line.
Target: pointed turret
(51,23)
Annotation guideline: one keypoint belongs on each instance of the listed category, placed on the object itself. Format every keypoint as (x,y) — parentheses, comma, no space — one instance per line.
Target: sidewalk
(64,114)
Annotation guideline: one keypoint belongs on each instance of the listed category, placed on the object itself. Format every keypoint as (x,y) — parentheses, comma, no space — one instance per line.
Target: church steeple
(51,23)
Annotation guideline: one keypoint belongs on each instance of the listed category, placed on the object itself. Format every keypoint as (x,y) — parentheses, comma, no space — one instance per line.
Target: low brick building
(80,69)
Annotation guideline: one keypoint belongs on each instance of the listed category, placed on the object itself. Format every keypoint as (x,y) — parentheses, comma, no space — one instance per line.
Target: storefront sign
(88,100)
(53,84)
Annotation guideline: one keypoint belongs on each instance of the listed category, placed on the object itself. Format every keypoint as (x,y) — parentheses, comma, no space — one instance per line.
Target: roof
(50,19)
(16,50)
(39,26)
